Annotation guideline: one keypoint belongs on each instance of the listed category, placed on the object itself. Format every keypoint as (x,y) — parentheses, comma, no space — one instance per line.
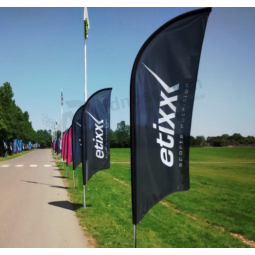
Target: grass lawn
(221,195)
(14,155)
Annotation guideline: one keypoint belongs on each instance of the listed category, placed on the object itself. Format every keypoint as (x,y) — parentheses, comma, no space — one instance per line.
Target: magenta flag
(69,147)
(66,144)
(63,146)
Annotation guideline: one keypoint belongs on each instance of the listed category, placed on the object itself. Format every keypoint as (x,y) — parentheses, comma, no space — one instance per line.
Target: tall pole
(86,28)
(85,67)
(61,125)
(134,236)
(84,197)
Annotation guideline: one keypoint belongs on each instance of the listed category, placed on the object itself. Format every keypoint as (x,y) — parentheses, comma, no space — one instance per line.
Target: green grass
(221,195)
(15,155)
(222,154)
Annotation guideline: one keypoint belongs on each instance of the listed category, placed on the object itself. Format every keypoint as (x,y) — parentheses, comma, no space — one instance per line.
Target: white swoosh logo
(98,122)
(77,123)
(162,83)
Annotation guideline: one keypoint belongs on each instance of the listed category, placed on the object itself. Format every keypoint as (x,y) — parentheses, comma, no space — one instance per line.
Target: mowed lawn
(220,202)
(15,155)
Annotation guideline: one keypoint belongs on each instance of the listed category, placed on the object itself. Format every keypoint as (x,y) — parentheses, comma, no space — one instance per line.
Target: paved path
(34,207)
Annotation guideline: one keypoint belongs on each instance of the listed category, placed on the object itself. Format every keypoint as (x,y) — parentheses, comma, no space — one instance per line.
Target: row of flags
(162,89)
(15,145)
(87,141)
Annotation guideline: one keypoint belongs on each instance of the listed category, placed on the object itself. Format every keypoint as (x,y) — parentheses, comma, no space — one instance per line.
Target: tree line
(15,124)
(120,138)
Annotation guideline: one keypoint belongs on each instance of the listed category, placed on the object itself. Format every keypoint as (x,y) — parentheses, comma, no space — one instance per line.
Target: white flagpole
(85,66)
(86,27)
(134,236)
(61,125)
(55,135)
(73,179)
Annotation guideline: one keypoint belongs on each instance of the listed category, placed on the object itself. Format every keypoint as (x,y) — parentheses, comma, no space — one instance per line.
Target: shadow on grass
(60,169)
(66,205)
(52,186)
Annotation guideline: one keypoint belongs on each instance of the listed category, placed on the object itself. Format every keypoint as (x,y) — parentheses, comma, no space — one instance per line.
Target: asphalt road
(34,207)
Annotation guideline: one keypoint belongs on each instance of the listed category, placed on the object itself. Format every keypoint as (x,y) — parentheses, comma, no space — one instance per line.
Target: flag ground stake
(73,179)
(134,236)
(84,197)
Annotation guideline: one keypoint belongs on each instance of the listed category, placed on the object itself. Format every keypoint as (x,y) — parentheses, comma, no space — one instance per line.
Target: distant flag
(77,137)
(86,29)
(96,134)
(95,126)
(162,89)
(86,22)
(15,142)
(64,145)
(62,97)
(69,148)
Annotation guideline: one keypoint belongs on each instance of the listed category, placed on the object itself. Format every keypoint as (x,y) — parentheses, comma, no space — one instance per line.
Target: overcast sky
(42,52)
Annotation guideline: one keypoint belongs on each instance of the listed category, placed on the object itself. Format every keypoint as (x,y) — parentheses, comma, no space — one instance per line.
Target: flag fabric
(96,134)
(162,89)
(58,144)
(66,144)
(76,137)
(69,147)
(54,145)
(62,97)
(18,143)
(15,146)
(10,142)
(63,146)
(5,143)
(86,22)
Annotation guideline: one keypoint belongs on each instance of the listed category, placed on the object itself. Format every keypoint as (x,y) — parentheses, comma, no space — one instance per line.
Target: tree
(192,141)
(225,136)
(44,138)
(13,122)
(200,140)
(113,139)
(123,134)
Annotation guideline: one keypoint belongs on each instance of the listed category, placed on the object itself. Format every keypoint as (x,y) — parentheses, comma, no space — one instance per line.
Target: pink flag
(69,148)
(64,145)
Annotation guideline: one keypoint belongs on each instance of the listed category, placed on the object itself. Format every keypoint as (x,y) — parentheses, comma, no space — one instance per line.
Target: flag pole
(85,67)
(134,236)
(73,179)
(84,197)
(61,126)
(86,28)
